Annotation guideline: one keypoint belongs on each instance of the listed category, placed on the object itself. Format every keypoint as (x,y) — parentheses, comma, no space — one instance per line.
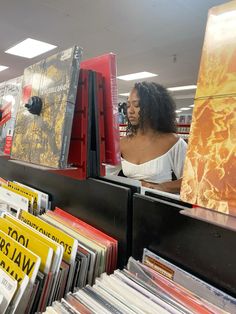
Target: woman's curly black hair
(157,109)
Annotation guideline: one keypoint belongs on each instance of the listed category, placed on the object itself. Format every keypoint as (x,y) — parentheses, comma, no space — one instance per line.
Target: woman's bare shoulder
(171,138)
(166,141)
(124,143)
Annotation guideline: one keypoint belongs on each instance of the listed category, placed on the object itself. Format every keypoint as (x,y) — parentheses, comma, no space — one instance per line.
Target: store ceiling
(160,36)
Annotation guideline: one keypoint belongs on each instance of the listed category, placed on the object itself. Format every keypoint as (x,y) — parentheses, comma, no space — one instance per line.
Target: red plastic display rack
(106,65)
(108,140)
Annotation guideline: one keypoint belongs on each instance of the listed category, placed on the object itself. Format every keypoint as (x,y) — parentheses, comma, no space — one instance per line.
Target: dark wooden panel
(203,249)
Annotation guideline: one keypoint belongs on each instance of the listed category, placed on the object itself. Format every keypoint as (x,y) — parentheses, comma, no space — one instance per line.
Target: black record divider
(133,188)
(201,248)
(104,205)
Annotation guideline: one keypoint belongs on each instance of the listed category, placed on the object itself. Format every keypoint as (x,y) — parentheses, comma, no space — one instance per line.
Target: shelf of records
(72,267)
(153,286)
(182,130)
(183,125)
(123,128)
(49,114)
(44,257)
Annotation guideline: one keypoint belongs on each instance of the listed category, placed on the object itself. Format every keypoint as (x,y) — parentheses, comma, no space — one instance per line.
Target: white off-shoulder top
(159,169)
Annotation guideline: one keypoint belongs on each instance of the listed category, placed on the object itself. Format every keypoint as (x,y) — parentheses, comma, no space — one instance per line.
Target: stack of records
(95,133)
(45,257)
(188,281)
(67,116)
(87,144)
(17,196)
(139,289)
(96,252)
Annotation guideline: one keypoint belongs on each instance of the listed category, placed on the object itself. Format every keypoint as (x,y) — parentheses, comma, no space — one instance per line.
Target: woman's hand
(150,185)
(171,186)
(146,184)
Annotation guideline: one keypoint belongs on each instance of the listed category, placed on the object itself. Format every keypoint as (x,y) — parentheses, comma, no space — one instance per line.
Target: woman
(152,152)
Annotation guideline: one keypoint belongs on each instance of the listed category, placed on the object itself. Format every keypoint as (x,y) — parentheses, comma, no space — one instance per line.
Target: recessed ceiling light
(136,76)
(3,67)
(185,108)
(177,111)
(191,106)
(124,94)
(30,48)
(178,88)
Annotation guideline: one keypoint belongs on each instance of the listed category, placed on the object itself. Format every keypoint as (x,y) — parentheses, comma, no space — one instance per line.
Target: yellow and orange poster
(209,178)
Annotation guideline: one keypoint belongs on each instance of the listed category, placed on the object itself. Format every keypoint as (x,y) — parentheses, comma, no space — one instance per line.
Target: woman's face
(133,107)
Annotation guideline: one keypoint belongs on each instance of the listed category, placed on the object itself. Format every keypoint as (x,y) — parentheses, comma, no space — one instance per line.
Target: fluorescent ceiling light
(185,108)
(136,76)
(30,48)
(177,111)
(186,96)
(124,94)
(178,88)
(3,67)
(191,106)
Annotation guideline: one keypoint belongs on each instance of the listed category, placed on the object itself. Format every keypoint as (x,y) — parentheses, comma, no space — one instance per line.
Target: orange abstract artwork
(209,178)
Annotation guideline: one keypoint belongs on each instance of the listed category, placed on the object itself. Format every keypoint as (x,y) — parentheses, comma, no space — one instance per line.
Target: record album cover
(210,165)
(2,91)
(10,93)
(43,138)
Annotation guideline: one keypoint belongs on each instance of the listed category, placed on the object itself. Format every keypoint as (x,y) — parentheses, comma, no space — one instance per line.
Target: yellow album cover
(210,165)
(217,72)
(57,248)
(27,240)
(26,192)
(57,235)
(21,256)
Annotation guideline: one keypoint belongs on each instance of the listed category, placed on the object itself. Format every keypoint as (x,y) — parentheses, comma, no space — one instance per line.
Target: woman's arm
(170,186)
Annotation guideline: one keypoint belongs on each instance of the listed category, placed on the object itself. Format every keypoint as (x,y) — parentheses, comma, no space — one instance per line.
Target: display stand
(201,248)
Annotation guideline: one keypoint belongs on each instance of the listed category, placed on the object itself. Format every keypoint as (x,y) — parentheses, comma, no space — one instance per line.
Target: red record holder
(89,126)
(106,65)
(87,145)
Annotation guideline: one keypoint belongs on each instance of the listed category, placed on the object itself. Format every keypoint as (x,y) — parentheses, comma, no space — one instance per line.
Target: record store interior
(117,156)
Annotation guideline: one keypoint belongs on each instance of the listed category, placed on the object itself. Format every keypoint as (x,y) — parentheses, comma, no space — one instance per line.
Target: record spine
(77,53)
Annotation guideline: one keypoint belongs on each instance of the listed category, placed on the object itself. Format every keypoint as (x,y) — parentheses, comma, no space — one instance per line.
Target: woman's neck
(148,132)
